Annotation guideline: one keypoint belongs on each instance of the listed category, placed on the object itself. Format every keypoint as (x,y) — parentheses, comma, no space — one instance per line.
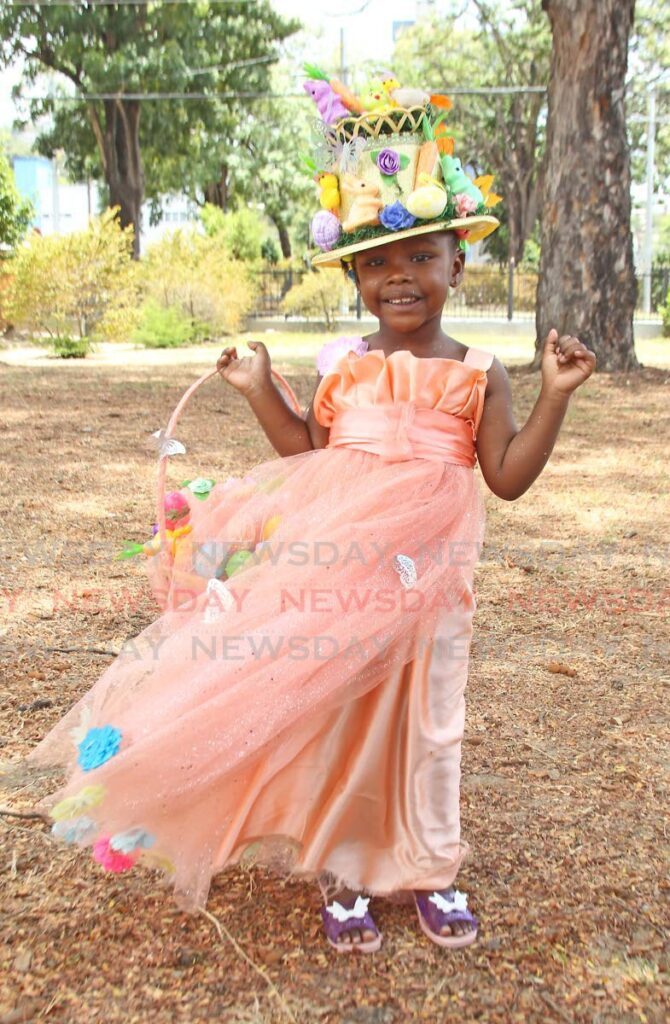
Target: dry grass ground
(564,789)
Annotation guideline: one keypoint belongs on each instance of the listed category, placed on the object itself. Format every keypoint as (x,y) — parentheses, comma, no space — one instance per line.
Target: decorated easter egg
(177,509)
(427,201)
(210,558)
(153,546)
(326,229)
(270,527)
(237,562)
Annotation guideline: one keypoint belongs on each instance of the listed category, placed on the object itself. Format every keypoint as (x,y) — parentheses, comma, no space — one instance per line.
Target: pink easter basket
(291,401)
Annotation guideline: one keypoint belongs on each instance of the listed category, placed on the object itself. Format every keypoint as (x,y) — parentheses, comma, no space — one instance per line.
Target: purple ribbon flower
(388,161)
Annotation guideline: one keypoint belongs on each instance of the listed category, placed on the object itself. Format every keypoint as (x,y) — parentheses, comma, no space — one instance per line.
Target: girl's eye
(421,256)
(374,263)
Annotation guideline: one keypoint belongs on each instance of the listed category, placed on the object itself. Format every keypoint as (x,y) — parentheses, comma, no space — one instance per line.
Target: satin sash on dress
(402,431)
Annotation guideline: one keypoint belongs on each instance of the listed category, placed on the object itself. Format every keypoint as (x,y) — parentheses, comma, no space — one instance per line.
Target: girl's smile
(406,284)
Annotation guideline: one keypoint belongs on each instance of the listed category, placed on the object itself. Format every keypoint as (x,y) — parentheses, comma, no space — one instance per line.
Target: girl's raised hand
(250,373)
(566,363)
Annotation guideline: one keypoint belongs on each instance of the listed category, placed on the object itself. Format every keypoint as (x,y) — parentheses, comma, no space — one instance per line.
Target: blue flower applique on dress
(98,746)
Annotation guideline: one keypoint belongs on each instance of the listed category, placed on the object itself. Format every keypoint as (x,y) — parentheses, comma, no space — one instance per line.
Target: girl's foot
(348,924)
(444,917)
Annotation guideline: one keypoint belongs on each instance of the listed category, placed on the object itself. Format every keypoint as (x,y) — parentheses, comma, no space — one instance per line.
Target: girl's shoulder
(332,351)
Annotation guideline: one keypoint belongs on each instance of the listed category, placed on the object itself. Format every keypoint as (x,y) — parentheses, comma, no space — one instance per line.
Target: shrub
(72,348)
(80,285)
(270,252)
(319,294)
(665,316)
(165,327)
(194,274)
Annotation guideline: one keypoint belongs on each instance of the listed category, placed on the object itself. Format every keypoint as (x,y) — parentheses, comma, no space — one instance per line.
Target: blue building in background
(59,207)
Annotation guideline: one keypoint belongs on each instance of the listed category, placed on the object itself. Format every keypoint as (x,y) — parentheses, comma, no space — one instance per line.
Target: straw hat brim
(478,227)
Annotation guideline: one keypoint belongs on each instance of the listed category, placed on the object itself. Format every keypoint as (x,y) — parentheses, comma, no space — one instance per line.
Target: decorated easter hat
(386,170)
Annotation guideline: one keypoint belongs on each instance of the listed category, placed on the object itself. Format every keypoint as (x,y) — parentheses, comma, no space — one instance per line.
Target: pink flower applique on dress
(112,860)
(331,353)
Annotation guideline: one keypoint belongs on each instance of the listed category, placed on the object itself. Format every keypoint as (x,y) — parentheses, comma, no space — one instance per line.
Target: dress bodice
(401,406)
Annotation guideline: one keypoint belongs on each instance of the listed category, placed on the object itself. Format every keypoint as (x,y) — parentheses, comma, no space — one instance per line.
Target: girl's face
(406,283)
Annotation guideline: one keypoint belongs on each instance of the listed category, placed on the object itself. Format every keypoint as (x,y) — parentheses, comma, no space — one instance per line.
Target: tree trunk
(216,192)
(518,172)
(587,279)
(119,145)
(282,231)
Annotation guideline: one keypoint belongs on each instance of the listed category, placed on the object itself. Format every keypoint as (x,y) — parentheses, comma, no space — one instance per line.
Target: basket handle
(172,422)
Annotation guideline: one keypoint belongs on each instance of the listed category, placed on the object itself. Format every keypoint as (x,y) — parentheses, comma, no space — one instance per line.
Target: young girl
(304,707)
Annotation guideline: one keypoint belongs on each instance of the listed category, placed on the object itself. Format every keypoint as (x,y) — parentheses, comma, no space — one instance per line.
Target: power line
(232,66)
(248,95)
(163,96)
(502,90)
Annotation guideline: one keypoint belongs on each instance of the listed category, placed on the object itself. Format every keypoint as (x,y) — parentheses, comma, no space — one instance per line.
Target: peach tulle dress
(307,711)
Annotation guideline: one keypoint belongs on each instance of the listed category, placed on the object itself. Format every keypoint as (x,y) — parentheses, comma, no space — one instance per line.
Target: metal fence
(660,285)
(487,291)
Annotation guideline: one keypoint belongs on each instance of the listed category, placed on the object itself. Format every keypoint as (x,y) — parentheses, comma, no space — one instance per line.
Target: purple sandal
(437,909)
(338,919)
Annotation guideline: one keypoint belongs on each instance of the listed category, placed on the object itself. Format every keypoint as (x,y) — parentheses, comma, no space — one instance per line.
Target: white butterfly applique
(406,570)
(167,445)
(459,901)
(351,154)
(219,599)
(341,913)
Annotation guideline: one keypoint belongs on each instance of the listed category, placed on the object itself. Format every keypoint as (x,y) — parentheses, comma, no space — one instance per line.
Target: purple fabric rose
(388,161)
(395,217)
(326,230)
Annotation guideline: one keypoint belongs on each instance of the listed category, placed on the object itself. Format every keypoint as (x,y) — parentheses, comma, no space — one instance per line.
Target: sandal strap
(334,928)
(436,918)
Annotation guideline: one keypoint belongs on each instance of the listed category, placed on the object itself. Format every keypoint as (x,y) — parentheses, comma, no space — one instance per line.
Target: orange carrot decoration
(445,143)
(350,100)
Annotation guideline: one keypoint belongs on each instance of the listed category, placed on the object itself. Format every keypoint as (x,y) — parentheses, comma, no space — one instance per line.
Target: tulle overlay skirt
(306,712)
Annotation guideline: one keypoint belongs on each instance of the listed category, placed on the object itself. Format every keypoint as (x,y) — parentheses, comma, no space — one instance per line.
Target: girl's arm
(511,459)
(288,433)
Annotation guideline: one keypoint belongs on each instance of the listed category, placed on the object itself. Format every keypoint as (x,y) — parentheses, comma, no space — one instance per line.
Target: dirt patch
(563,774)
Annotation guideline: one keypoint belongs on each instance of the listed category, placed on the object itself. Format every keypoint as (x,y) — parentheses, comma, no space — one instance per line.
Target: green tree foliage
(254,159)
(508,43)
(240,231)
(82,285)
(15,212)
(648,62)
(211,49)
